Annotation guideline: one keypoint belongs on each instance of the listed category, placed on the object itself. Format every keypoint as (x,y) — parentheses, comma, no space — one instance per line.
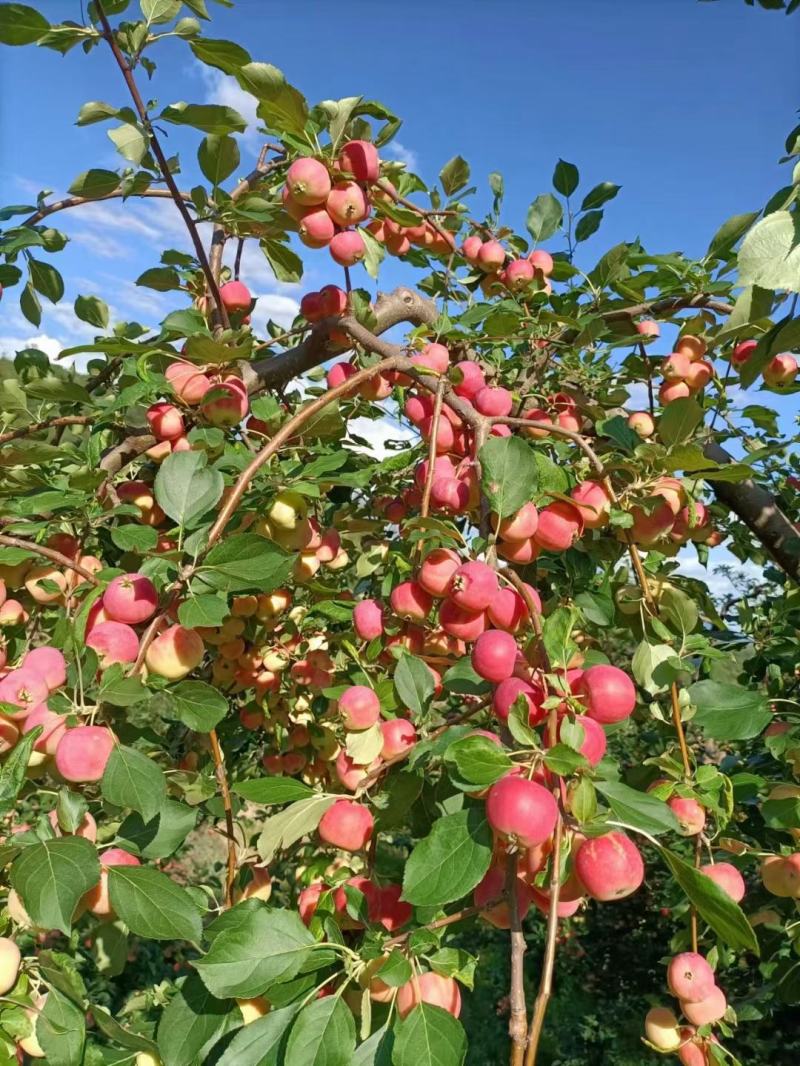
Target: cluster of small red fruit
(692,981)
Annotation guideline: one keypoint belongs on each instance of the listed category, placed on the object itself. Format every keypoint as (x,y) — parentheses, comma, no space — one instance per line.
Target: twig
(222,781)
(125,68)
(117,194)
(51,554)
(518,1016)
(437,414)
(48,423)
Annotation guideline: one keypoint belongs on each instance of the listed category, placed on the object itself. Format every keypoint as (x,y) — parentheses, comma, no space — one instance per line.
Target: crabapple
(706,1011)
(53,728)
(225,405)
(166,421)
(399,736)
(781,875)
(308,181)
(690,977)
(780,370)
(691,816)
(471,247)
(593,503)
(519,526)
(493,401)
(676,367)
(235,297)
(360,158)
(560,523)
(508,691)
(83,752)
(287,509)
(188,382)
(349,773)
(609,867)
(542,261)
(491,256)
(700,373)
(743,351)
(641,423)
(607,693)
(727,877)
(140,495)
(368,619)
(494,655)
(673,390)
(519,551)
(467,378)
(114,642)
(49,663)
(130,598)
(473,586)
(359,707)
(347,825)
(97,899)
(518,274)
(450,494)
(346,203)
(410,600)
(522,810)
(252,1009)
(10,960)
(332,301)
(175,652)
(23,688)
(508,609)
(691,345)
(347,248)
(465,625)
(316,228)
(647,327)
(389,910)
(45,573)
(693,1052)
(9,734)
(491,891)
(662,1029)
(433,357)
(593,745)
(430,988)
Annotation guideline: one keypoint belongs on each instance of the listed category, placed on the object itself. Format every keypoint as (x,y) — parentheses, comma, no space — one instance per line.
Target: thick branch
(760,513)
(402,305)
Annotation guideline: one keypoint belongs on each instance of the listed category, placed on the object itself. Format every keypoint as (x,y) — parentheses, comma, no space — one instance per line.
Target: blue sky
(684,104)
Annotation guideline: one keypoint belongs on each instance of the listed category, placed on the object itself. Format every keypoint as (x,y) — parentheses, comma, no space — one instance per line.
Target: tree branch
(51,554)
(518,1017)
(117,194)
(49,423)
(225,792)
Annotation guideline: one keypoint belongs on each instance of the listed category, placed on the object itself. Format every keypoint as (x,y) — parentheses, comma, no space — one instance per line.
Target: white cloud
(398,151)
(225,90)
(9,346)
(281,309)
(638,399)
(377,432)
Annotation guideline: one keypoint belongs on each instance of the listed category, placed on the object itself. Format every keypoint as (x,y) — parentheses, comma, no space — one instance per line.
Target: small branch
(49,423)
(437,414)
(548,964)
(51,554)
(222,781)
(518,1018)
(440,923)
(166,173)
(117,194)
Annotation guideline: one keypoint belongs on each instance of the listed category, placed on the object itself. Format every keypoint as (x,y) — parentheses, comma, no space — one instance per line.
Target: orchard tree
(398,690)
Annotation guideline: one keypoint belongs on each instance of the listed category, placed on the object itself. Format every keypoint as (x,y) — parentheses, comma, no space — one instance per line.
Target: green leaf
(160,836)
(131,143)
(414,684)
(224,55)
(46,279)
(269,790)
(651,667)
(713,905)
(193,1022)
(203,610)
(450,861)
(296,821)
(94,183)
(563,760)
(544,217)
(200,706)
(52,877)
(377,1050)
(111,1028)
(152,905)
(119,690)
(565,178)
(587,225)
(134,538)
(323,1035)
(263,947)
(186,487)
(245,561)
(679,420)
(159,11)
(20,24)
(132,780)
(728,712)
(218,157)
(210,118)
(61,1030)
(93,310)
(600,195)
(730,233)
(95,111)
(429,1036)
(285,264)
(509,473)
(281,107)
(638,809)
(454,175)
(477,761)
(261,1042)
(375,252)
(13,770)
(770,253)
(30,306)
(557,635)
(161,279)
